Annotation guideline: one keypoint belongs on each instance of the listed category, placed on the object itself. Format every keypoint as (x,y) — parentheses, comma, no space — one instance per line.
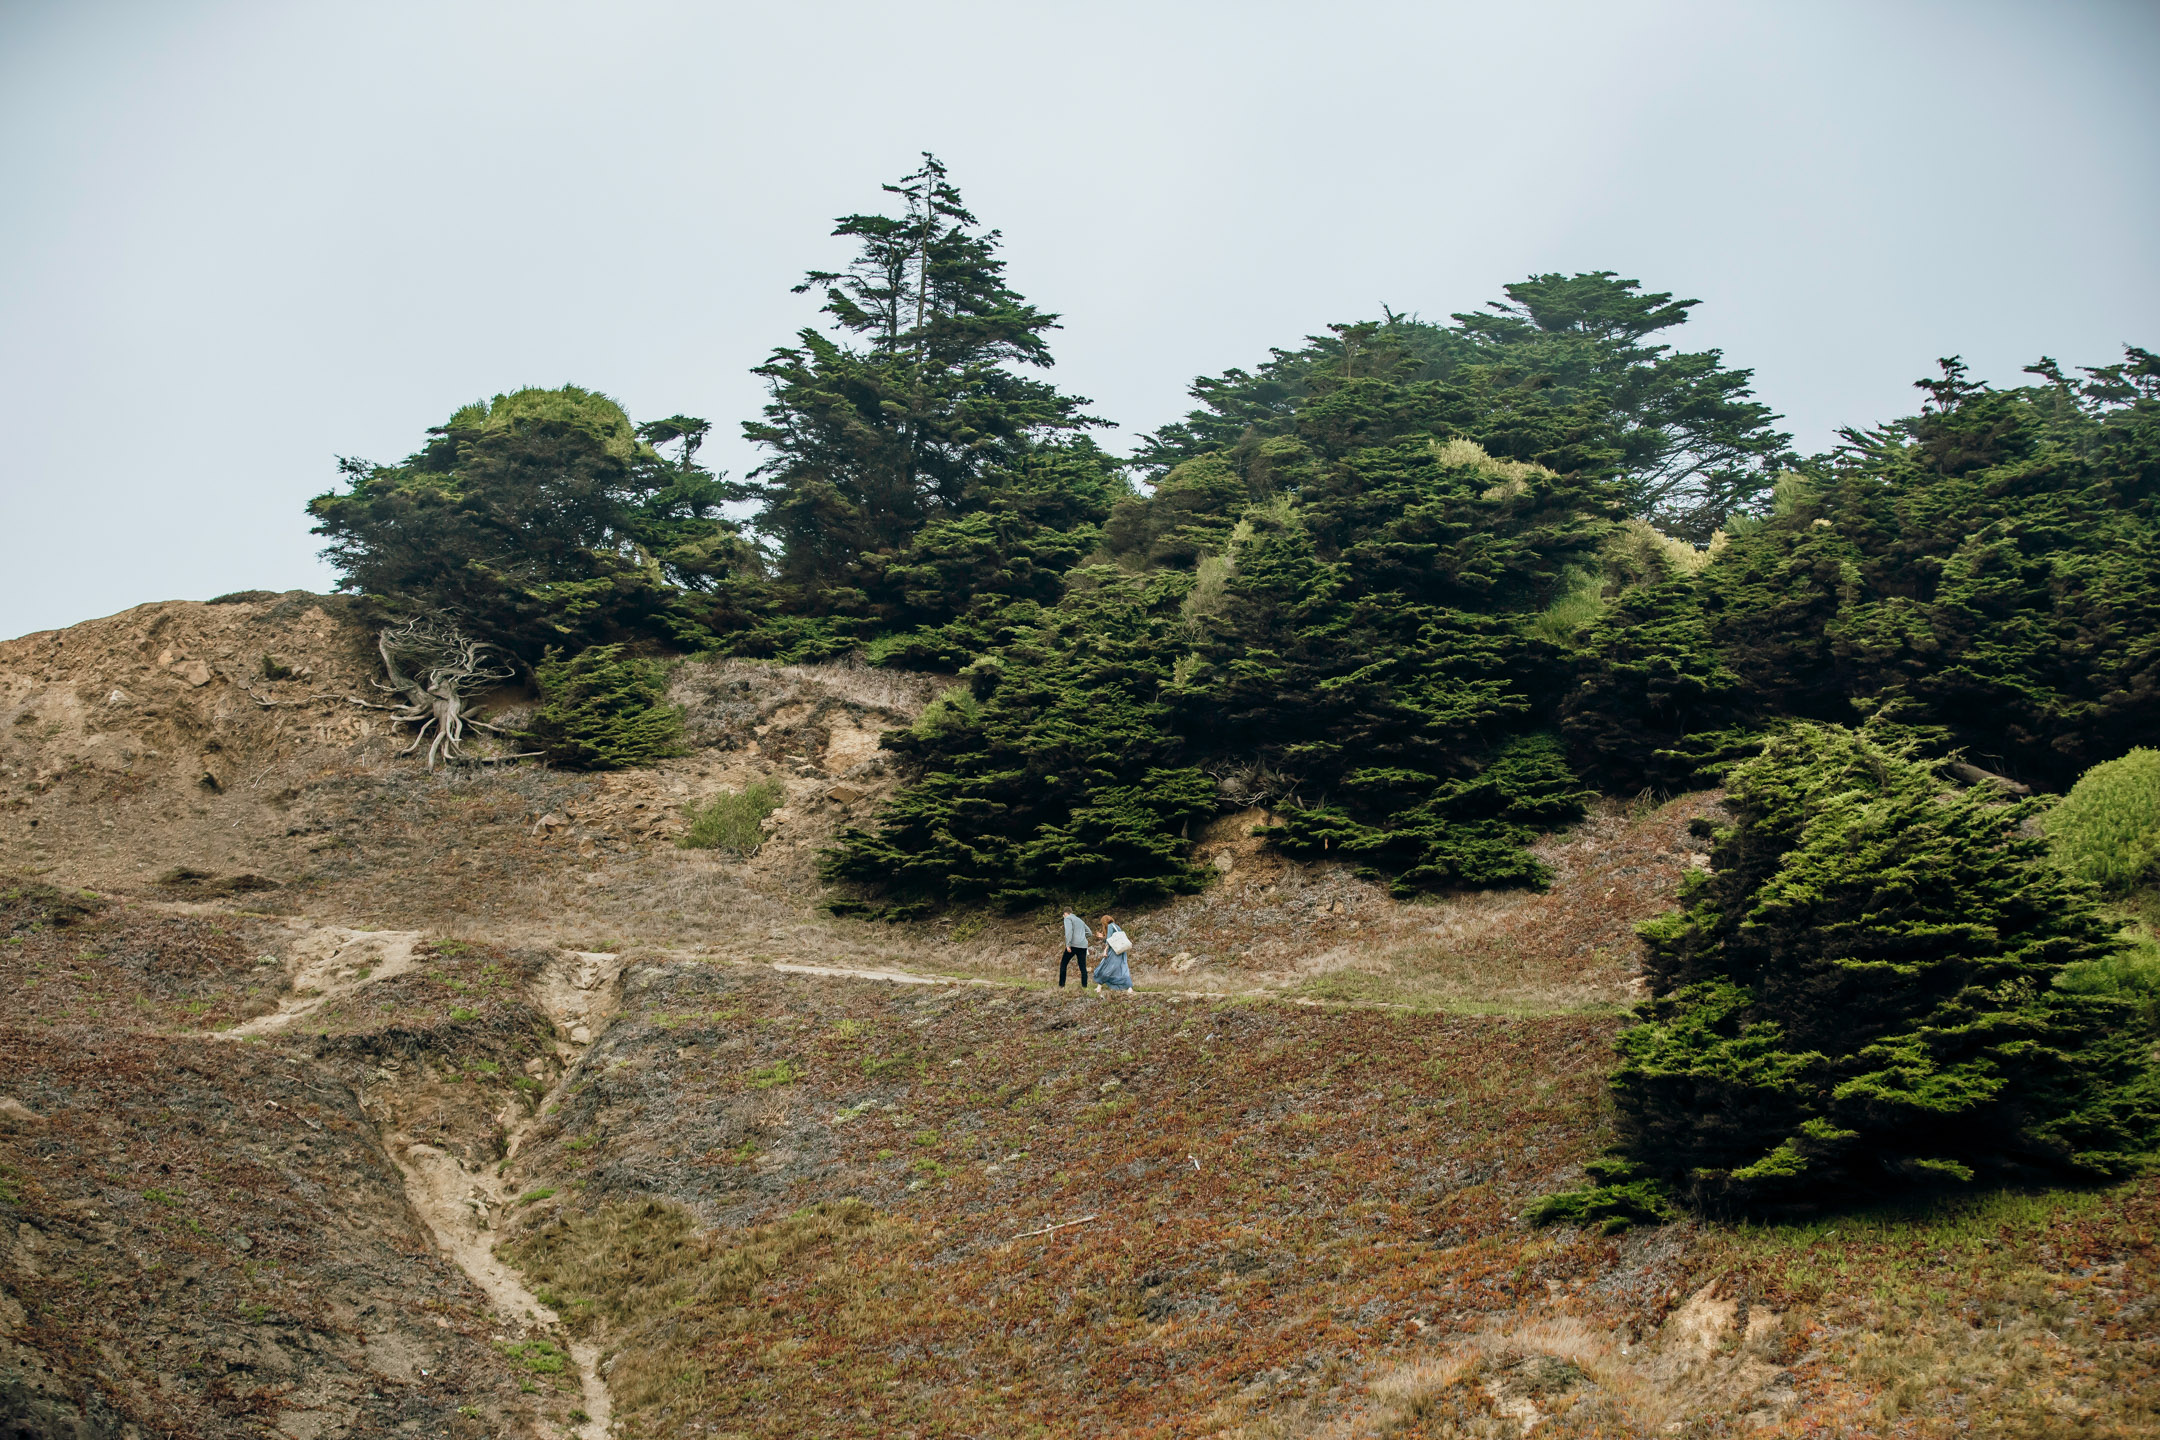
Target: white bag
(1120,942)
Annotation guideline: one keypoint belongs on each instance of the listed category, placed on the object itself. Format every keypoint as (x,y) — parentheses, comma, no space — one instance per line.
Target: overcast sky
(239,240)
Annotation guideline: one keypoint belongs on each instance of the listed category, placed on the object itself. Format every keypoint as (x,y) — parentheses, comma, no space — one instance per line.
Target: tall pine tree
(916,413)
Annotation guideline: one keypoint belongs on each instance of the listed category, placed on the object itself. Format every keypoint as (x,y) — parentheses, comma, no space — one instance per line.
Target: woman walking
(1114,970)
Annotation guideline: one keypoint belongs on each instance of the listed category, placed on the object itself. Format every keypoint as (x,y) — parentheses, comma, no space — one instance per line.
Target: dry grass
(1571,948)
(670,1298)
(200,1238)
(74,963)
(1274,1182)
(726,701)
(2010,1314)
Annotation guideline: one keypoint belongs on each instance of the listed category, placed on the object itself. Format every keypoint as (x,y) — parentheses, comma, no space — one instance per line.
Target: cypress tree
(603,710)
(544,517)
(913,416)
(1860,1000)
(1049,772)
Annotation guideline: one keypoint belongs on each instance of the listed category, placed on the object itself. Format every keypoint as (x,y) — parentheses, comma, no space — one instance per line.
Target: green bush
(733,820)
(2132,974)
(1470,834)
(2107,829)
(1859,1000)
(603,711)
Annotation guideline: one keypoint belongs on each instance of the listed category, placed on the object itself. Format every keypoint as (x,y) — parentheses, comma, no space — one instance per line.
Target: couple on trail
(1111,972)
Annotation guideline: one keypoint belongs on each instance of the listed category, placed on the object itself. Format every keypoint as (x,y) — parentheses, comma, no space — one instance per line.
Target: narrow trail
(577,989)
(327,962)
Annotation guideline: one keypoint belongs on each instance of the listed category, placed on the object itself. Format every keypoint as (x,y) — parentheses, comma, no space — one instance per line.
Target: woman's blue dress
(1113,971)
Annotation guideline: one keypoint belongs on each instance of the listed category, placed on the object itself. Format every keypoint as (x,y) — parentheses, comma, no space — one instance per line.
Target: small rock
(197,673)
(1225,864)
(580,1035)
(843,794)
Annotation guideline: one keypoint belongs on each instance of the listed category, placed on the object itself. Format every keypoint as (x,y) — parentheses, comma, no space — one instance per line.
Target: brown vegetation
(1276,1193)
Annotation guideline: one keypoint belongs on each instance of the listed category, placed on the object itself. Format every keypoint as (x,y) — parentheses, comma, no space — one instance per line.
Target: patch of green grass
(534,1197)
(780,1072)
(733,820)
(540,1356)
(2107,829)
(464,1013)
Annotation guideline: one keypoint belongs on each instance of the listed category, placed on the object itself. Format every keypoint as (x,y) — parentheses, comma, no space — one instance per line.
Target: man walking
(1076,948)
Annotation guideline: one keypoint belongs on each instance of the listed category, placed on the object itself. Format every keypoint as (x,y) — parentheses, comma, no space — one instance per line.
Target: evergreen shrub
(1469,835)
(602,710)
(733,820)
(2107,829)
(1051,771)
(1859,1000)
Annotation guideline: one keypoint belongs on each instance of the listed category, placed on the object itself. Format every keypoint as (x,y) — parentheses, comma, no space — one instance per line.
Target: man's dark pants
(1074,954)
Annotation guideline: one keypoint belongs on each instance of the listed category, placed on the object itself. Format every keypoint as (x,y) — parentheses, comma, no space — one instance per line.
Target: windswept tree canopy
(1987,570)
(915,413)
(543,517)
(1681,433)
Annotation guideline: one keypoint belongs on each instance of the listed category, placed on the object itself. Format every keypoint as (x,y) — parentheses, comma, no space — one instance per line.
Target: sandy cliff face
(163,719)
(189,750)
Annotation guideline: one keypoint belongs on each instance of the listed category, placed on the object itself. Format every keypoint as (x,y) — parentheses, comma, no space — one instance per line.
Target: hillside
(467,1103)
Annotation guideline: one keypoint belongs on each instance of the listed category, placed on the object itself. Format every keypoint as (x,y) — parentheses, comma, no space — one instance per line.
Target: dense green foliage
(1987,571)
(1861,999)
(544,517)
(1355,652)
(603,710)
(1395,587)
(2107,829)
(919,484)
(1686,440)
(1050,771)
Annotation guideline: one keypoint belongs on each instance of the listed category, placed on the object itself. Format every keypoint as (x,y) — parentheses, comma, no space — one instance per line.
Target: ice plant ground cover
(804,1206)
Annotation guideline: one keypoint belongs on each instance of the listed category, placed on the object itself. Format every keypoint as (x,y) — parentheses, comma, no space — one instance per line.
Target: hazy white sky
(238,240)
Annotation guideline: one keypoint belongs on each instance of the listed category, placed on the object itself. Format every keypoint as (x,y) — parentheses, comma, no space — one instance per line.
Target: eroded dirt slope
(201,1233)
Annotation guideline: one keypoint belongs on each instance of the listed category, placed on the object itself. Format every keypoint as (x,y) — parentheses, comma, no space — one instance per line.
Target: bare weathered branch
(457,667)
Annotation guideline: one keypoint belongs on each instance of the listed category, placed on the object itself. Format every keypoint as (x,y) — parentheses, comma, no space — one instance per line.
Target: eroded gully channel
(577,990)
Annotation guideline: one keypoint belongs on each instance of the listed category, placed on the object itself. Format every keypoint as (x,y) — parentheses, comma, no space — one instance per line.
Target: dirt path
(330,961)
(578,990)
(459,1206)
